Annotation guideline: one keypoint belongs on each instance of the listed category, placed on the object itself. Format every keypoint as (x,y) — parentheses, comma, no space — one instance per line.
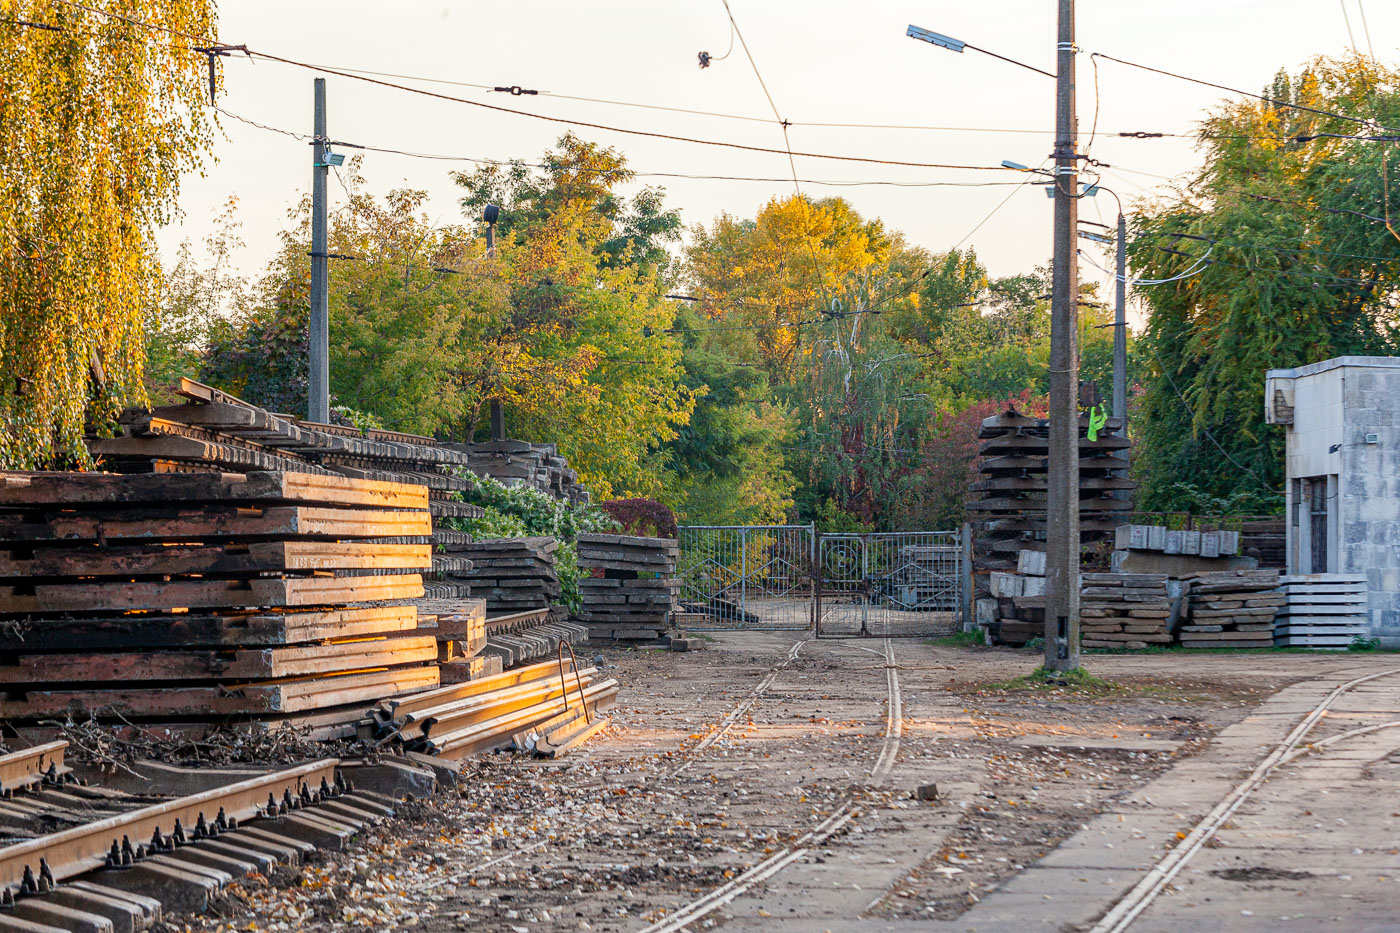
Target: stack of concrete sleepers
(1231,609)
(1322,610)
(1124,610)
(514,574)
(630,591)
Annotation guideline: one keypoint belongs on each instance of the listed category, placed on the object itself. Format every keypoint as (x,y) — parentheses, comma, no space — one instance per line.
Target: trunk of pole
(1062,505)
(1120,331)
(318,398)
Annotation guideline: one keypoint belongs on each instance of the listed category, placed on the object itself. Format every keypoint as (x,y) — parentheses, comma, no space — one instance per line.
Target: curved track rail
(721,729)
(684,916)
(1131,905)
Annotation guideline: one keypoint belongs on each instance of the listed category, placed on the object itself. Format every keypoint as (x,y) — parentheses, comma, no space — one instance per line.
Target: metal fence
(748,576)
(776,577)
(904,583)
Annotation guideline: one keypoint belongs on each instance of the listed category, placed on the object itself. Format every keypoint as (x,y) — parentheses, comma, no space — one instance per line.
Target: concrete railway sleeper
(121,872)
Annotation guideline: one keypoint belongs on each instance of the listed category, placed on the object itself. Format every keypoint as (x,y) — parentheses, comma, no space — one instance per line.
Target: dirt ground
(655,812)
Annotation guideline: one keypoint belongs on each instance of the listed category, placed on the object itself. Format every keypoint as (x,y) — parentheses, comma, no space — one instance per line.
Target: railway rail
(799,848)
(1293,746)
(97,874)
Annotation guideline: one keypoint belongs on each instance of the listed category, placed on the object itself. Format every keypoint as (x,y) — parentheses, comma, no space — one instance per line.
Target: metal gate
(904,583)
(780,577)
(748,576)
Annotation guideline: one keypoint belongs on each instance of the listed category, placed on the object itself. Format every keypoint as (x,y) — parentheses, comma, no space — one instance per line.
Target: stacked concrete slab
(1124,610)
(1322,610)
(1232,609)
(513,574)
(630,591)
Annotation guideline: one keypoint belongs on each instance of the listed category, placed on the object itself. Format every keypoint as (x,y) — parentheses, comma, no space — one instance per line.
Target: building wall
(1336,403)
(1370,491)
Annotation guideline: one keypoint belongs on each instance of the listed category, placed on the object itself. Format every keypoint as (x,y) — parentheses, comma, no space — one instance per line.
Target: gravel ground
(639,822)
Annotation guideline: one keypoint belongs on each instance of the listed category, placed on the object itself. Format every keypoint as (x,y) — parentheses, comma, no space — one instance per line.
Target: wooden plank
(205,701)
(194,524)
(26,490)
(90,559)
(195,630)
(238,664)
(209,594)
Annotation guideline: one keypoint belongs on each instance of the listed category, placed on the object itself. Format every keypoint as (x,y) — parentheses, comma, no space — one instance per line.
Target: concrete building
(1343,457)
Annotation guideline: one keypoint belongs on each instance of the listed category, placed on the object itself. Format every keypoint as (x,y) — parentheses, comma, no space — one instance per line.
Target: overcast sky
(824,62)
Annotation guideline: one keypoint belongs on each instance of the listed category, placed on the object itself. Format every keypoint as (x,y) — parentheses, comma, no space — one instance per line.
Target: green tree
(194,299)
(98,119)
(1280,255)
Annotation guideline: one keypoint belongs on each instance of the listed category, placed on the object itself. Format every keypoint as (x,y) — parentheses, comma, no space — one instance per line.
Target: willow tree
(1281,256)
(98,119)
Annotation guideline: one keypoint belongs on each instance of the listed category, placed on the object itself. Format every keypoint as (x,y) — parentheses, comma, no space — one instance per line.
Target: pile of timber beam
(514,574)
(195,599)
(217,432)
(459,625)
(1124,610)
(1325,611)
(630,589)
(513,640)
(1014,460)
(545,708)
(1231,609)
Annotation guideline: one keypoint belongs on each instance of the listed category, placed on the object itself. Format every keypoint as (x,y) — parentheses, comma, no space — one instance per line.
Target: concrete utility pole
(1120,331)
(318,390)
(1062,505)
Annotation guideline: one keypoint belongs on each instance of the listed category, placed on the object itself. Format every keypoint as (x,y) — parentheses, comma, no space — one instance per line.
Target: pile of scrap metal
(544,709)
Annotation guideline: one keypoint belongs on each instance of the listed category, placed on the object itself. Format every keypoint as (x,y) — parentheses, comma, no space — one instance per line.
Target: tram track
(1123,912)
(800,848)
(721,729)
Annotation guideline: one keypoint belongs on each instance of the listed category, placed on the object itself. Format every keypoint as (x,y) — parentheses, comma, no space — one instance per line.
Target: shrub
(645,518)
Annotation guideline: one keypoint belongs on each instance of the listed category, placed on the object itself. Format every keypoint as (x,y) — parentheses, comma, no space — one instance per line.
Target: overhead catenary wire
(1363,121)
(567,121)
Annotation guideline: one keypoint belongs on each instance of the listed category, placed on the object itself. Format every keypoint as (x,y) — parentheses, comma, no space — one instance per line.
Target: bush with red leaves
(645,518)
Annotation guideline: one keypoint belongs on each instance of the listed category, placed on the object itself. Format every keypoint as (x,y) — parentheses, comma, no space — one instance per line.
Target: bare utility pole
(318,393)
(1062,505)
(1120,331)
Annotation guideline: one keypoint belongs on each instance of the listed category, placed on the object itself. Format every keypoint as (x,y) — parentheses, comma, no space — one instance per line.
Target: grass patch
(974,639)
(1078,681)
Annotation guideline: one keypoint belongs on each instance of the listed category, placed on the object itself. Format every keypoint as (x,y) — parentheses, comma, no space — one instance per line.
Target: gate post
(816,571)
(968,601)
(743,577)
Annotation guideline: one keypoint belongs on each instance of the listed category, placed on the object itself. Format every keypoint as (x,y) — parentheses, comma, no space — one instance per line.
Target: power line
(1232,90)
(567,121)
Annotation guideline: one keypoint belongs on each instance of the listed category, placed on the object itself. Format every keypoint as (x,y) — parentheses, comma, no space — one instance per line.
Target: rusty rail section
(29,865)
(30,766)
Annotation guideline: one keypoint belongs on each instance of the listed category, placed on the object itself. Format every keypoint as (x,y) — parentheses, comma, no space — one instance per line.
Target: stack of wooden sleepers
(1322,610)
(630,590)
(216,432)
(191,600)
(1231,609)
(459,625)
(512,640)
(1124,610)
(1013,466)
(514,574)
(545,708)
